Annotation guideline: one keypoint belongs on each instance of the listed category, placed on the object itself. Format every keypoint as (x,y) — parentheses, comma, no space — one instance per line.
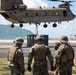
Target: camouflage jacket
(31,54)
(20,59)
(65,53)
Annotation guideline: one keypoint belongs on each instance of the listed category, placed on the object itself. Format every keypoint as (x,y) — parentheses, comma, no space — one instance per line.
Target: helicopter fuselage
(38,15)
(17,12)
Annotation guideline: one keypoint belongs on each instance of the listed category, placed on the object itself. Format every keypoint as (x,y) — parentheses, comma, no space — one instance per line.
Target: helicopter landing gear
(12,26)
(54,25)
(45,25)
(21,25)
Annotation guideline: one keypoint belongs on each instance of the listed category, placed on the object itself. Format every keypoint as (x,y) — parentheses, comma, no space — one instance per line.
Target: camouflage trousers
(12,69)
(62,70)
(65,69)
(40,68)
(69,71)
(15,71)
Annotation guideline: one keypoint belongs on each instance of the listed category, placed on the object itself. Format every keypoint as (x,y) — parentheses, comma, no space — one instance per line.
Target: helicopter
(16,11)
(73,35)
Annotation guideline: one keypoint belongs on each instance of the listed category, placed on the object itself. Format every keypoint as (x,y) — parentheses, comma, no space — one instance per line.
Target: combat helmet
(56,45)
(39,37)
(64,39)
(18,40)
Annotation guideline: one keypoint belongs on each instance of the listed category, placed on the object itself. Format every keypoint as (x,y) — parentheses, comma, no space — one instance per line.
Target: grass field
(4,70)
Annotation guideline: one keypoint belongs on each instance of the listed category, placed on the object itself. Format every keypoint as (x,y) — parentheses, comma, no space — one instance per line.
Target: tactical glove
(52,68)
(29,68)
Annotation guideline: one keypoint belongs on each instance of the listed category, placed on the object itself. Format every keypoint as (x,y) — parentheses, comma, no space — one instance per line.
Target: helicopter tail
(9,4)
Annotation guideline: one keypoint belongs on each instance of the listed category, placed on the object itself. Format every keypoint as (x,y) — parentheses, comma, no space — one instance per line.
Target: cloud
(34,3)
(4,21)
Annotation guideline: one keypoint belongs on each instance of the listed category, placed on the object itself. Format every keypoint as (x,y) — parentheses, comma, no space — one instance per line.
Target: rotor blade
(66,1)
(70,1)
(53,0)
(70,4)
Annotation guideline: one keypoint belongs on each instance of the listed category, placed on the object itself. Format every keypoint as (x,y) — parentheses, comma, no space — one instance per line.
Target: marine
(39,52)
(65,57)
(16,58)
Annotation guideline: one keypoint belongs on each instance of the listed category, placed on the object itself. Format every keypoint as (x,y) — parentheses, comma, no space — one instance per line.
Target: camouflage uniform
(17,63)
(39,51)
(65,57)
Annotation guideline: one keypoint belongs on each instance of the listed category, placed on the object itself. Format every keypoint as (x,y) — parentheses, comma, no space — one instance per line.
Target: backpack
(12,54)
(67,54)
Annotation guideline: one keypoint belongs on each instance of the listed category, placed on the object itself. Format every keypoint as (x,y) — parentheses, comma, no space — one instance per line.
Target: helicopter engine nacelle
(22,7)
(8,4)
(64,6)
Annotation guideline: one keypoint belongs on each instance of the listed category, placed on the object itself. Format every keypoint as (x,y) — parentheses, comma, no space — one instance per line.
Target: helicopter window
(64,13)
(46,13)
(10,12)
(26,14)
(14,11)
(56,13)
(53,7)
(36,14)
(5,15)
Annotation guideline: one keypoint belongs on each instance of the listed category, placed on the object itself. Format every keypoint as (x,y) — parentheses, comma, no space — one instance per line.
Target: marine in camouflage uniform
(16,58)
(65,57)
(39,52)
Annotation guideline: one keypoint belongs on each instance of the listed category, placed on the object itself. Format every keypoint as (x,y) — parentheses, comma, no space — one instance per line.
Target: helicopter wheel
(12,26)
(21,25)
(45,25)
(39,23)
(54,25)
(29,23)
(48,22)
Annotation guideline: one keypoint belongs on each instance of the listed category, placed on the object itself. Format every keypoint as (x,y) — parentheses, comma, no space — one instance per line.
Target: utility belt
(40,63)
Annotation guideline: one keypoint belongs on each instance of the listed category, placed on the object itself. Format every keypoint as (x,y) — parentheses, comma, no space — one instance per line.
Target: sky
(64,28)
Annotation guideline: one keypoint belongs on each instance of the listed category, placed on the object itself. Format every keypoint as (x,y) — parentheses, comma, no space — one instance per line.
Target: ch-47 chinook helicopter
(17,12)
